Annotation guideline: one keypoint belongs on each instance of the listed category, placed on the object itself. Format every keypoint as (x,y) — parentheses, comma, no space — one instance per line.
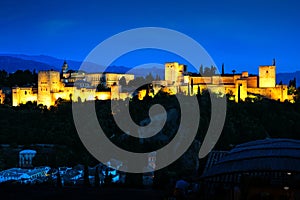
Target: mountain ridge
(14,62)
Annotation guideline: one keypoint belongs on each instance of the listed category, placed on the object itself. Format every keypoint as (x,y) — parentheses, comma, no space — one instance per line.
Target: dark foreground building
(263,169)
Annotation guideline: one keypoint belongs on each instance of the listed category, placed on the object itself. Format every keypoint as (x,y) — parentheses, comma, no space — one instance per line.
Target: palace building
(81,86)
(70,85)
(238,86)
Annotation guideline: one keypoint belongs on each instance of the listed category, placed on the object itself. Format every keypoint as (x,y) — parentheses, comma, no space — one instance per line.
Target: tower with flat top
(174,73)
(48,83)
(267,76)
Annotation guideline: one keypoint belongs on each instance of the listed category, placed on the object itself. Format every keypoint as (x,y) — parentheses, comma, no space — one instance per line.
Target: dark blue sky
(242,34)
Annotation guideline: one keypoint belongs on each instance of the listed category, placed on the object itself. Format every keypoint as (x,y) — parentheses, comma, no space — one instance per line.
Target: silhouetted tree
(223,69)
(122,81)
(86,178)
(58,179)
(201,72)
(209,71)
(97,179)
(149,78)
(213,70)
(192,86)
(157,77)
(107,178)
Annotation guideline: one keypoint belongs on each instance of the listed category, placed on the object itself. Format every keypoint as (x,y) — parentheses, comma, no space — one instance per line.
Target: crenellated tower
(48,83)
(174,73)
(267,76)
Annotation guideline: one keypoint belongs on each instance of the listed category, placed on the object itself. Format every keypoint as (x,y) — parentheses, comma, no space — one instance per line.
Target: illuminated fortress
(81,86)
(70,85)
(237,86)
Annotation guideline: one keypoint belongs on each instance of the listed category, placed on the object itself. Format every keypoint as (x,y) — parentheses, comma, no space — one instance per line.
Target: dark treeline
(18,78)
(30,124)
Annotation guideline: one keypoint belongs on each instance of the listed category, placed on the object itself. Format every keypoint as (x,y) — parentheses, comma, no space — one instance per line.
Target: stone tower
(174,73)
(267,76)
(64,70)
(48,83)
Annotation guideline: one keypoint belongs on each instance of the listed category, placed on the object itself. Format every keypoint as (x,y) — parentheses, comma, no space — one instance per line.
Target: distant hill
(286,77)
(13,62)
(55,63)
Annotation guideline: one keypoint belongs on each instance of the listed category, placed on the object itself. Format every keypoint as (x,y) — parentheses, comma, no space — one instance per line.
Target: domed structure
(25,158)
(261,155)
(269,166)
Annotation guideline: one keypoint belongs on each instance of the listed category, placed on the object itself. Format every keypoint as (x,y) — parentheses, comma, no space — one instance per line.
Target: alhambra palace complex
(75,85)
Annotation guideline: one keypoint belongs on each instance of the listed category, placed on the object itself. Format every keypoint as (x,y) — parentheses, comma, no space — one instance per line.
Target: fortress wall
(245,74)
(112,78)
(276,93)
(128,77)
(103,95)
(201,80)
(216,80)
(94,78)
(230,89)
(213,88)
(227,79)
(115,91)
(184,89)
(2,97)
(186,79)
(236,77)
(241,90)
(23,95)
(84,94)
(171,90)
(252,82)
(124,95)
(216,89)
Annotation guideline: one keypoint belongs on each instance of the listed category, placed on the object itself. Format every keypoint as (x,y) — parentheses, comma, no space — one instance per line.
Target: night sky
(242,34)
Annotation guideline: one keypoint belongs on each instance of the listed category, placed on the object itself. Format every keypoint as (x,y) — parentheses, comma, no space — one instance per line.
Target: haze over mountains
(14,62)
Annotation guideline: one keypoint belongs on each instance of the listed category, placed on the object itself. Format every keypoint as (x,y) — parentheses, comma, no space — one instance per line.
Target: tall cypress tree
(198,90)
(58,179)
(86,175)
(192,86)
(97,179)
(223,69)
(201,71)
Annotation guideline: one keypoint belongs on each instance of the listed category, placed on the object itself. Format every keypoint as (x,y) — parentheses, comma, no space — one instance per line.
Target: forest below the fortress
(30,124)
